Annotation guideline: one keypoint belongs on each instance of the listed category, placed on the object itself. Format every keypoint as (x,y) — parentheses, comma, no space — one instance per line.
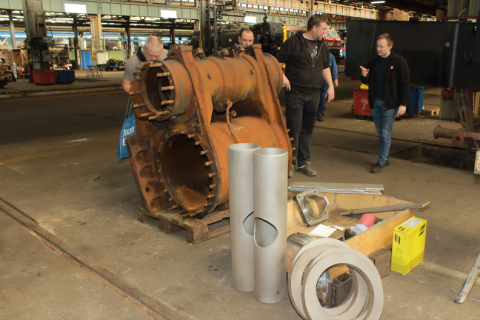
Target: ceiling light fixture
(377,2)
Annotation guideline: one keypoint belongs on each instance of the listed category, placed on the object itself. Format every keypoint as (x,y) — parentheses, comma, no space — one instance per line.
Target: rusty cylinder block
(188,111)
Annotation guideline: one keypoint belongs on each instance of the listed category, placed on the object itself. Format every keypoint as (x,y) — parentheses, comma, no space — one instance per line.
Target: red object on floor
(44,77)
(361,107)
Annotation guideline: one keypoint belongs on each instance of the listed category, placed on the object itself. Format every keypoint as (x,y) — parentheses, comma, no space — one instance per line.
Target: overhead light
(377,2)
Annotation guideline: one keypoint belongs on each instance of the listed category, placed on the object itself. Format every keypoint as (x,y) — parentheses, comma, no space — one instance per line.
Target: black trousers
(301,111)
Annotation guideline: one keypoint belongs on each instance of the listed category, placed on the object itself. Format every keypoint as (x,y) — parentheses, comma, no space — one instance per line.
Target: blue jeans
(300,114)
(323,100)
(383,119)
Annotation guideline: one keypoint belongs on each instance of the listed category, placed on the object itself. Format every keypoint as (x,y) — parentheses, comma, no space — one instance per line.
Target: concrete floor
(71,246)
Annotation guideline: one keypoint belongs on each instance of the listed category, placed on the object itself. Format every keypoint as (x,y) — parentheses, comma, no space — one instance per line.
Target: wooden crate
(430,112)
(197,230)
(377,238)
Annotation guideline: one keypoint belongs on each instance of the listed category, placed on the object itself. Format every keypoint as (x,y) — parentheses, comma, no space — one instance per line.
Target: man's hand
(330,94)
(335,82)
(286,83)
(126,84)
(364,71)
(401,110)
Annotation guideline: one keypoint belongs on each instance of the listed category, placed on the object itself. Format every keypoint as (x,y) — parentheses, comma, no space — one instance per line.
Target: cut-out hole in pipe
(248,224)
(265,233)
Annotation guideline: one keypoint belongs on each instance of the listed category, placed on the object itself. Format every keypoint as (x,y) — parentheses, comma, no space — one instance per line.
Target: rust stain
(189,196)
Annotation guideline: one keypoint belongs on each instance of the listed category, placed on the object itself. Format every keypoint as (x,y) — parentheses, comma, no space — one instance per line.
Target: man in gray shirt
(152,50)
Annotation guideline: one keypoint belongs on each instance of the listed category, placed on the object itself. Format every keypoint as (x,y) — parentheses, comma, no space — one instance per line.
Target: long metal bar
(75,42)
(336,187)
(386,208)
(12,30)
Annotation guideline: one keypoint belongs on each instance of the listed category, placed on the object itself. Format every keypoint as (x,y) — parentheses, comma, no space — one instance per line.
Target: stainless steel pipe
(240,173)
(270,168)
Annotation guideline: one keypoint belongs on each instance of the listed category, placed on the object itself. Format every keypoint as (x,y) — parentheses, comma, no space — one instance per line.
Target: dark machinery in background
(269,35)
(37,39)
(114,65)
(439,54)
(213,36)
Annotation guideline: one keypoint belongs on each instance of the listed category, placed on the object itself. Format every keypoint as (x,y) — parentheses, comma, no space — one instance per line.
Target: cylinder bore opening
(154,82)
(315,205)
(244,146)
(271,152)
(185,173)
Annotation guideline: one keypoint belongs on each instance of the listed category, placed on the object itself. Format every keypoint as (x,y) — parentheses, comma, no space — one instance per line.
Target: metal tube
(440,132)
(215,29)
(12,31)
(270,168)
(240,172)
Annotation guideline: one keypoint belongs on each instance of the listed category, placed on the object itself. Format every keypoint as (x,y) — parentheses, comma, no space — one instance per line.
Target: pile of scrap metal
(189,109)
(6,74)
(60,56)
(114,65)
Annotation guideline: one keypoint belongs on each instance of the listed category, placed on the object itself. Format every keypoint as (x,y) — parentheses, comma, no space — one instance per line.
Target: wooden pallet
(197,230)
(430,112)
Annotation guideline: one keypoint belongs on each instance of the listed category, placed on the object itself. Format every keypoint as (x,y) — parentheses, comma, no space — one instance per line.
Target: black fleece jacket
(397,88)
(303,73)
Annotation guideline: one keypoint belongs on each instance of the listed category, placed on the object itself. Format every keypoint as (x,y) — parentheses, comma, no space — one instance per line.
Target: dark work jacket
(397,88)
(303,73)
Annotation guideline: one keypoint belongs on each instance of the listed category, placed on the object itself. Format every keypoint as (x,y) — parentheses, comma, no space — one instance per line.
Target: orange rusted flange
(189,110)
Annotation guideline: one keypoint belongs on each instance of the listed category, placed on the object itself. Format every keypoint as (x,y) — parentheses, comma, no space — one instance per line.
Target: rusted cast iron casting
(188,111)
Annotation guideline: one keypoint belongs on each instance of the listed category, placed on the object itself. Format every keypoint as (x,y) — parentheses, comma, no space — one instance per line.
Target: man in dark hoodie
(389,90)
(307,66)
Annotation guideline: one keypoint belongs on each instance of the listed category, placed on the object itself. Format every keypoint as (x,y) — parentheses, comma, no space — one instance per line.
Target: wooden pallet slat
(197,230)
(430,112)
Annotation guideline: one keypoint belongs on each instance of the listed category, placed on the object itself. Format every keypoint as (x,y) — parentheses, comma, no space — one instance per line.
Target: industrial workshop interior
(244,159)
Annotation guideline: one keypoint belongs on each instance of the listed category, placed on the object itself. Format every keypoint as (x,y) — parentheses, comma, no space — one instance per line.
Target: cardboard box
(408,245)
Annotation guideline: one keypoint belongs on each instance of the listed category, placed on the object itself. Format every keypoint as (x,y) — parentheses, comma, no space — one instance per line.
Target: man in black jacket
(307,66)
(388,82)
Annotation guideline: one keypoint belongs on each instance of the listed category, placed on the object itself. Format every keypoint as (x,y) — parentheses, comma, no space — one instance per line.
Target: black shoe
(379,166)
(319,117)
(307,169)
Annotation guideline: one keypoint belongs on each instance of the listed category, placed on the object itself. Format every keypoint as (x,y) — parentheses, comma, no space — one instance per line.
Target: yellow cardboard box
(408,245)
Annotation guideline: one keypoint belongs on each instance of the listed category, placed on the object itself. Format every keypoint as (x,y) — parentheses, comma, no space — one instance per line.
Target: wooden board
(430,112)
(376,238)
(197,230)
